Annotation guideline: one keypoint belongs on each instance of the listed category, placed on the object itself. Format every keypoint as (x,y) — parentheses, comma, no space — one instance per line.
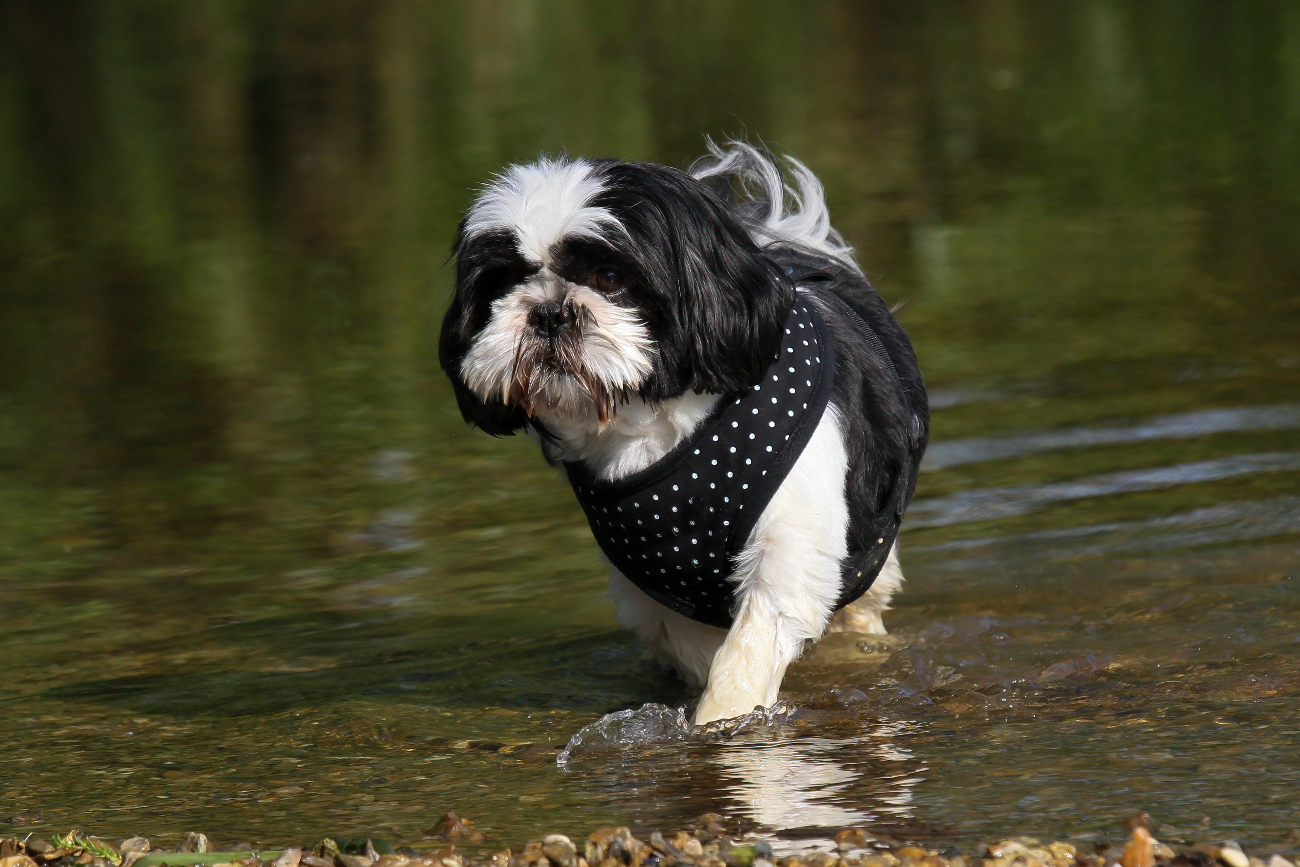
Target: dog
(736,409)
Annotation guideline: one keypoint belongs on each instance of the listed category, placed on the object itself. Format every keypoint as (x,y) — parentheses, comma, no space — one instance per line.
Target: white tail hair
(781,206)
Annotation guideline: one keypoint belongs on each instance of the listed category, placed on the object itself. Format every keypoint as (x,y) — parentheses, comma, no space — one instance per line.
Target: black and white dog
(737,411)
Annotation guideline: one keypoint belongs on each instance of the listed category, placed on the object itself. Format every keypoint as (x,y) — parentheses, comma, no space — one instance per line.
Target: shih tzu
(738,413)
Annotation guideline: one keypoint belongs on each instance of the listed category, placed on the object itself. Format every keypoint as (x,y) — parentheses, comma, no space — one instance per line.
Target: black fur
(713,302)
(881,403)
(487,267)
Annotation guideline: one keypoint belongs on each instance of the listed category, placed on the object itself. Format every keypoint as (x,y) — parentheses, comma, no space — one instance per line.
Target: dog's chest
(675,528)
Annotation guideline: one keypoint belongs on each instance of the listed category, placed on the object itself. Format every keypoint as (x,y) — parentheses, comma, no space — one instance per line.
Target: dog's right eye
(608,280)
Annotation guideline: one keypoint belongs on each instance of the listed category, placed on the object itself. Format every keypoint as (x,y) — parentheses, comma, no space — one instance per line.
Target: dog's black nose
(549,318)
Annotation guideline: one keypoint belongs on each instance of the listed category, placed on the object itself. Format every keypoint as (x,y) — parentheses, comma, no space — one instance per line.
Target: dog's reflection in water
(814,783)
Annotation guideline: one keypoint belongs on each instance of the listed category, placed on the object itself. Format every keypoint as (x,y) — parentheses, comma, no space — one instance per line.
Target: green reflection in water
(260,580)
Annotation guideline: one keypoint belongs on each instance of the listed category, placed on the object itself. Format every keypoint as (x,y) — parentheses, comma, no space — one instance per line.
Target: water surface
(262,582)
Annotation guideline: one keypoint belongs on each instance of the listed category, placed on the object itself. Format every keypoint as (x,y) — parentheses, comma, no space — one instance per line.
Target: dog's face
(581,284)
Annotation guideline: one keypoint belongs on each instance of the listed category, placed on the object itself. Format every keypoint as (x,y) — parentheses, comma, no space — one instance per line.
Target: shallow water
(260,581)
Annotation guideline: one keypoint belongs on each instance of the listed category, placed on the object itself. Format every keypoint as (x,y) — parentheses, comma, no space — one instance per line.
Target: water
(260,581)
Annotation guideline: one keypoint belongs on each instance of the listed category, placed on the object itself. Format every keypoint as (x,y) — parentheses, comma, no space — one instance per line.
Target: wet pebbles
(706,843)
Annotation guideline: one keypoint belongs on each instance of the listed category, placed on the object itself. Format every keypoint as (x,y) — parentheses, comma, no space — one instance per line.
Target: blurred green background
(228,223)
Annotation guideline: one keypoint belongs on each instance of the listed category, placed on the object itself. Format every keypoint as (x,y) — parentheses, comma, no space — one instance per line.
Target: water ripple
(1226,522)
(1183,426)
(988,503)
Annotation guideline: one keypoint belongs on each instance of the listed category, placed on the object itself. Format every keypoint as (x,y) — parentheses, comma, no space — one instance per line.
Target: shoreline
(705,842)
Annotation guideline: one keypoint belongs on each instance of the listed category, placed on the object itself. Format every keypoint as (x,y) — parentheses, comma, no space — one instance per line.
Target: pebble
(1230,853)
(454,829)
(853,838)
(560,851)
(134,844)
(1138,852)
(195,843)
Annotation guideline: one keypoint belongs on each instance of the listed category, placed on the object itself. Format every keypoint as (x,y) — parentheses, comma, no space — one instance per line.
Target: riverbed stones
(704,843)
(615,844)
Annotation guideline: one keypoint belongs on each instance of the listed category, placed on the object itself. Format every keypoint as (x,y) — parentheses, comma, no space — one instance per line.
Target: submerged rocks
(454,829)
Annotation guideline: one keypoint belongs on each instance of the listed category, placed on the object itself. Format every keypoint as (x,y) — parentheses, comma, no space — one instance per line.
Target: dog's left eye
(608,280)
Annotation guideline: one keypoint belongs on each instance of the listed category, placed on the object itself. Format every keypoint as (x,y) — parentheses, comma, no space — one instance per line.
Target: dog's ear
(720,302)
(734,304)
(484,266)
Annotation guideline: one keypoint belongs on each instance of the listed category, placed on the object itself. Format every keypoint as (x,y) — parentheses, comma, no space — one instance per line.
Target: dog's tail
(780,205)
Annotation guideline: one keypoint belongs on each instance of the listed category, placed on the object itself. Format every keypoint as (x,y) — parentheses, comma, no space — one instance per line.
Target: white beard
(607,354)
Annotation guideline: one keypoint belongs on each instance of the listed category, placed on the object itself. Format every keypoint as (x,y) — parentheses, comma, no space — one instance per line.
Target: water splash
(653,724)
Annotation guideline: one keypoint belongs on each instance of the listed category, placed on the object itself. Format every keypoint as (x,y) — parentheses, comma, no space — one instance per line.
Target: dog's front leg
(787,580)
(748,668)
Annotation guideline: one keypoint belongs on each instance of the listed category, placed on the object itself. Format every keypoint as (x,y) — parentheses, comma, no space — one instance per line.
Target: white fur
(866,613)
(638,436)
(541,204)
(796,209)
(615,344)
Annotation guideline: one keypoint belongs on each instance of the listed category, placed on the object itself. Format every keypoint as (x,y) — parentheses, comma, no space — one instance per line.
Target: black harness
(676,527)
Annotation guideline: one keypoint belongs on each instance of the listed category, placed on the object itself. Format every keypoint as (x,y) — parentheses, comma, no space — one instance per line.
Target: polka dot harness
(675,528)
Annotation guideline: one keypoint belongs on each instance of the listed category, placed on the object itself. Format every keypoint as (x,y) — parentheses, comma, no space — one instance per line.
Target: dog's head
(582,283)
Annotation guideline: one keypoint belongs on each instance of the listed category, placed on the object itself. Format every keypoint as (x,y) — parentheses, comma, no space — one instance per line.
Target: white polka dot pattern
(675,528)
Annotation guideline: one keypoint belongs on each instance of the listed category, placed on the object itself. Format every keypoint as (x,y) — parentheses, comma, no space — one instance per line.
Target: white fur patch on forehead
(542,203)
